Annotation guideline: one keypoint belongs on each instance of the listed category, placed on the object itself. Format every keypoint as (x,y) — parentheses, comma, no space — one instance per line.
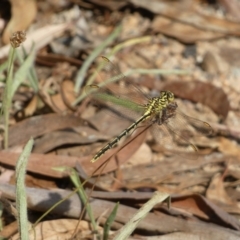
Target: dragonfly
(160,114)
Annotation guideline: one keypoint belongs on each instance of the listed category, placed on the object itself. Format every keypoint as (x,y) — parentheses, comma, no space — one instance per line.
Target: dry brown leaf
(137,196)
(56,139)
(108,123)
(46,95)
(232,7)
(60,229)
(34,181)
(31,107)
(170,174)
(9,230)
(217,193)
(204,209)
(6,175)
(186,12)
(228,147)
(23,13)
(210,63)
(65,98)
(183,32)
(41,37)
(58,103)
(36,126)
(201,92)
(142,156)
(67,88)
(187,183)
(43,164)
(113,5)
(231,55)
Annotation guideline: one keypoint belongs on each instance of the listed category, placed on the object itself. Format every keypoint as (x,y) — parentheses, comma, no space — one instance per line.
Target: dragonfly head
(169,96)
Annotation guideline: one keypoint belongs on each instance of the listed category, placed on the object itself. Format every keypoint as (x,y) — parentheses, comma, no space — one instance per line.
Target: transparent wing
(123,97)
(125,89)
(122,107)
(187,126)
(174,141)
(176,134)
(201,126)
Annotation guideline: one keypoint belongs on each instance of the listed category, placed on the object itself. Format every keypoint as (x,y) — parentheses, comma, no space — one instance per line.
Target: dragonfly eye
(170,96)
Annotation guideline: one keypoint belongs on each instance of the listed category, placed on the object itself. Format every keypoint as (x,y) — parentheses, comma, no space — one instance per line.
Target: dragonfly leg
(167,113)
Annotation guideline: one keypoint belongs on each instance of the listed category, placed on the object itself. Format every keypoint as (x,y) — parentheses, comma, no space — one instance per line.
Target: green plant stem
(7,95)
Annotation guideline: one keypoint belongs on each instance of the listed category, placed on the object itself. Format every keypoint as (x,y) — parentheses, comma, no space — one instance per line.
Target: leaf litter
(204,190)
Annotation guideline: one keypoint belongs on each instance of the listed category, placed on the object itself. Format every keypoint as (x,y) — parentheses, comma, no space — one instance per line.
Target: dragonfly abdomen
(119,137)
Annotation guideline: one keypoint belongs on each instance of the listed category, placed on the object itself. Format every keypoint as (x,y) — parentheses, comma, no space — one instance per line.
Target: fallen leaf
(204,209)
(36,126)
(9,230)
(217,193)
(204,93)
(56,139)
(183,32)
(31,107)
(228,147)
(60,229)
(231,55)
(141,156)
(187,13)
(58,103)
(67,92)
(232,7)
(21,17)
(42,164)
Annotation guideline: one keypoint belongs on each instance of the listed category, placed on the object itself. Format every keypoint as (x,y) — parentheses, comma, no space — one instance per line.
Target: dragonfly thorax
(157,104)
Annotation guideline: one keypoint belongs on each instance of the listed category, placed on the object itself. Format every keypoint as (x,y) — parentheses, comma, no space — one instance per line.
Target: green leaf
(109,222)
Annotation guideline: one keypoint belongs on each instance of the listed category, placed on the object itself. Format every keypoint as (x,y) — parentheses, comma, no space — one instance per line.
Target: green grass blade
(81,74)
(131,225)
(22,73)
(21,198)
(157,71)
(85,200)
(109,222)
(31,75)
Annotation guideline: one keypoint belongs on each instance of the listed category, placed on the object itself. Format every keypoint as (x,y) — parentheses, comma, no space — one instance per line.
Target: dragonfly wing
(175,134)
(201,126)
(110,74)
(104,96)
(173,141)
